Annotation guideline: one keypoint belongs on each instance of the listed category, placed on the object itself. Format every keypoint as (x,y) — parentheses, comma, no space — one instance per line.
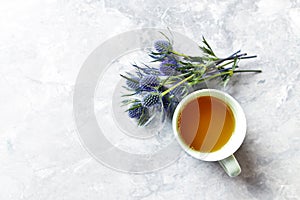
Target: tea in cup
(210,125)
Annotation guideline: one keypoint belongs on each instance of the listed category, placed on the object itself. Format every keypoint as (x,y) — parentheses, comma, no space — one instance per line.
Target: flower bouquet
(158,90)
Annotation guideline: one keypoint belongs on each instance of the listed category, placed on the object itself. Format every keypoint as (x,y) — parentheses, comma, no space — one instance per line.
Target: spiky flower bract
(168,66)
(167,70)
(133,84)
(170,61)
(148,83)
(151,99)
(162,46)
(135,111)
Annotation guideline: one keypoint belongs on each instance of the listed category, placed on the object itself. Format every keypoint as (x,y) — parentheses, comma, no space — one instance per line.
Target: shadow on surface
(252,176)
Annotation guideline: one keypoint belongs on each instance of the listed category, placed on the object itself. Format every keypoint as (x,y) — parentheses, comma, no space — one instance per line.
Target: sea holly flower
(133,84)
(148,83)
(162,46)
(170,61)
(151,99)
(167,70)
(135,111)
(168,66)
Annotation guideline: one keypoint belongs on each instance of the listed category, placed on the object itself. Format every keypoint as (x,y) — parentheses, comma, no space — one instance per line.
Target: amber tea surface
(206,124)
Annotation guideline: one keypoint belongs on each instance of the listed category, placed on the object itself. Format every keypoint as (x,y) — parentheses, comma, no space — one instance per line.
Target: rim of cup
(237,136)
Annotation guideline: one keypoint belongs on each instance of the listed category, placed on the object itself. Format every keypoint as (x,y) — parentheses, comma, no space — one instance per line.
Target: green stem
(247,57)
(248,70)
(176,85)
(208,78)
(214,76)
(180,54)
(235,71)
(220,66)
(185,74)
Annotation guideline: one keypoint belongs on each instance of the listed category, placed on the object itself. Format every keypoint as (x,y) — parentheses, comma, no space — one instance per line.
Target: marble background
(42,47)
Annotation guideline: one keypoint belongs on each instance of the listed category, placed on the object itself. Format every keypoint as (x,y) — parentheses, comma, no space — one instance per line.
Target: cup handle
(231,166)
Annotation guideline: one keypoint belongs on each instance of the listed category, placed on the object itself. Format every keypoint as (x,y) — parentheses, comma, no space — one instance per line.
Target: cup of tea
(210,125)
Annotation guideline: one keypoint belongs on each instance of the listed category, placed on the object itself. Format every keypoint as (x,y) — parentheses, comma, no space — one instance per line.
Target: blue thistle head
(168,66)
(167,70)
(162,46)
(151,99)
(135,111)
(170,61)
(148,82)
(133,84)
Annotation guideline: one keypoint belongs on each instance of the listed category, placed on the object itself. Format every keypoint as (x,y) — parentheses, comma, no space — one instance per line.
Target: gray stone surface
(42,47)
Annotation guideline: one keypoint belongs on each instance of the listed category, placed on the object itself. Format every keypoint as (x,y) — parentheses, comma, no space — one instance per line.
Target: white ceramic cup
(225,154)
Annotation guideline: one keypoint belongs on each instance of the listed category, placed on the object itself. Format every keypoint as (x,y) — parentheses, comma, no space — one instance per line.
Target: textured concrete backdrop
(42,47)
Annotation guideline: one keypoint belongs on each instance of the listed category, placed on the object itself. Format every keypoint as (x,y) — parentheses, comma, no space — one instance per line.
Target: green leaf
(166,37)
(130,79)
(128,95)
(129,101)
(134,107)
(207,45)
